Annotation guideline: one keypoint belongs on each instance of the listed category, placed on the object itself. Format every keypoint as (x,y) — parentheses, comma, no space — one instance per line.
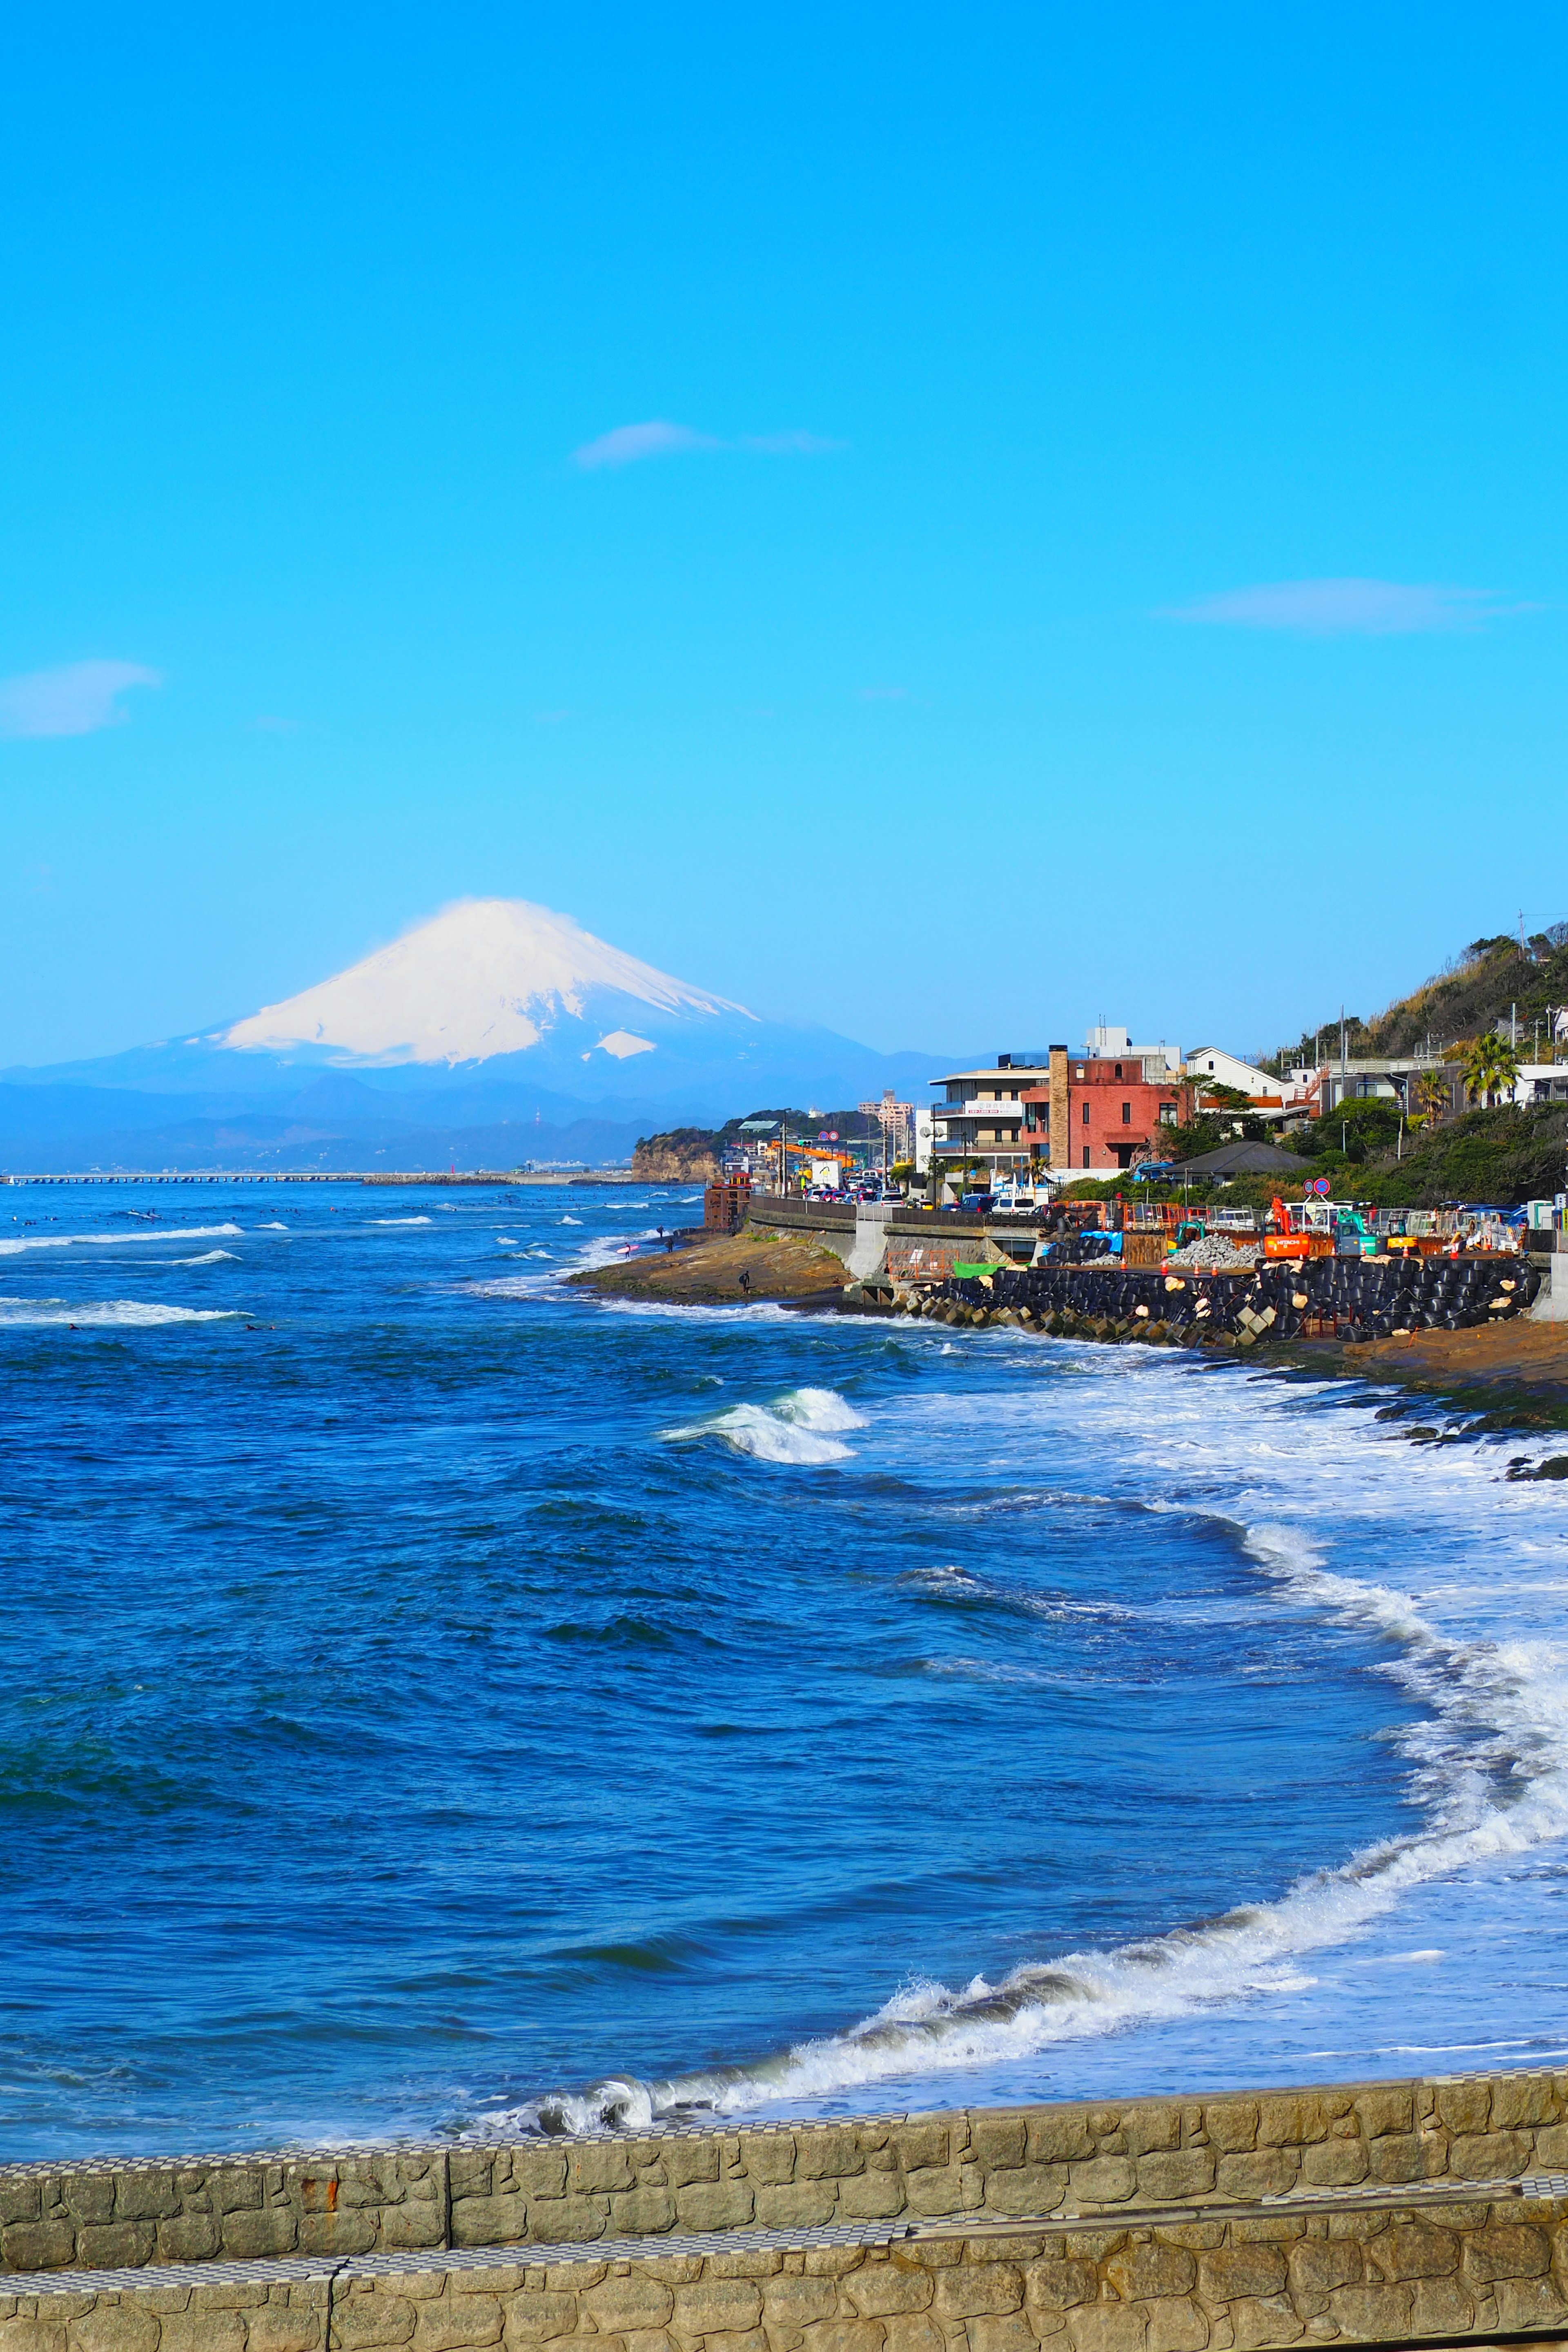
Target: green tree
(1432,1098)
(1491,1067)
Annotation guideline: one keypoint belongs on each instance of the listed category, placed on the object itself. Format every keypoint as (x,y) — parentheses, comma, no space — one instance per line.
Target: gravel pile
(1215,1254)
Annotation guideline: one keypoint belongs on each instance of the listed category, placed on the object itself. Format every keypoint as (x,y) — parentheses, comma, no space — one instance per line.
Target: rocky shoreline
(1510,1371)
(788,1269)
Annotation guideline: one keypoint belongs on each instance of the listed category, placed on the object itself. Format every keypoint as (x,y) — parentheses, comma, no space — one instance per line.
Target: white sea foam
(208,1257)
(26,1313)
(802,1425)
(277,1226)
(12,1247)
(1487,1753)
(546,1280)
(401,1221)
(1491,1760)
(571,1220)
(506,1241)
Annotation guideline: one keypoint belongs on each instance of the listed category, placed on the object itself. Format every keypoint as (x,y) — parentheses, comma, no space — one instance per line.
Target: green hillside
(1477,992)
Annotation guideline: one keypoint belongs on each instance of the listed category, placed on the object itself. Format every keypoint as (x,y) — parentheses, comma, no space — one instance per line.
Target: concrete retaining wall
(1064,2161)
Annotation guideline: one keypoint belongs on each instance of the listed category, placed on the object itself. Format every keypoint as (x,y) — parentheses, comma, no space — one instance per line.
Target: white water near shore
(1487,1754)
(1006,1718)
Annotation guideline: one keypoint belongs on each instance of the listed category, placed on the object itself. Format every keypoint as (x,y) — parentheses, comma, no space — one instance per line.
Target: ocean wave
(571,1220)
(508,1241)
(952,1587)
(802,1425)
(1489,1766)
(25,1314)
(12,1247)
(207,1257)
(277,1226)
(401,1221)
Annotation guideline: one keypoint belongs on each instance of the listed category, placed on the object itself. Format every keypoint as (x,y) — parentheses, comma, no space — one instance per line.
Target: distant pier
(511,1177)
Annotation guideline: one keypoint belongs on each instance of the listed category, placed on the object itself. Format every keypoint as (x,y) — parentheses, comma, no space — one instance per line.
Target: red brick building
(1095,1115)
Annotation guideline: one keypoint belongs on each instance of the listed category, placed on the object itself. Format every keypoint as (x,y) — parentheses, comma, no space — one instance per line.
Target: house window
(1119,1069)
(1086,1114)
(1086,1155)
(1167,1114)
(1126,1114)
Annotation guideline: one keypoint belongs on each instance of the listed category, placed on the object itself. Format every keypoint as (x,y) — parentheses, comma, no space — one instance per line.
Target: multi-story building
(896,1120)
(1397,1079)
(1056,1112)
(980,1124)
(1099,1112)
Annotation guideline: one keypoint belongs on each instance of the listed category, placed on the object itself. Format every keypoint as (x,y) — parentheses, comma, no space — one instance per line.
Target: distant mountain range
(494,1034)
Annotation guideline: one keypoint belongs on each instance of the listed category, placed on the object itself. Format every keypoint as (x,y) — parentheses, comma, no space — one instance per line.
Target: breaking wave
(208,1257)
(22,1314)
(401,1221)
(1489,1764)
(802,1425)
(12,1247)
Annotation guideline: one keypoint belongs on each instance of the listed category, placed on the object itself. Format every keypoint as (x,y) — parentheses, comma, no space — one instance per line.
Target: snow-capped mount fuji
(495,1032)
(489,977)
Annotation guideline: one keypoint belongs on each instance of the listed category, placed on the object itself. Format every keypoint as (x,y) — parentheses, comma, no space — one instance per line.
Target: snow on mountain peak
(487,976)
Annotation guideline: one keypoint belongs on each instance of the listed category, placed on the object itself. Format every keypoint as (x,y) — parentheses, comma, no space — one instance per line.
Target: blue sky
(946,522)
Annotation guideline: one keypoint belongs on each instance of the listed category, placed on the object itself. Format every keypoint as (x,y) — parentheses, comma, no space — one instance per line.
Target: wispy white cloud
(790,445)
(76,699)
(628,444)
(1336,608)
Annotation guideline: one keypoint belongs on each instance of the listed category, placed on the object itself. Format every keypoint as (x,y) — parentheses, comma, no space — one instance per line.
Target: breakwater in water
(1371,1299)
(1388,2213)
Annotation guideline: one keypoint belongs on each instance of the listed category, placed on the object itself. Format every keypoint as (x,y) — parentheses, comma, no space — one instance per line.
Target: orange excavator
(1278,1240)
(1282,1239)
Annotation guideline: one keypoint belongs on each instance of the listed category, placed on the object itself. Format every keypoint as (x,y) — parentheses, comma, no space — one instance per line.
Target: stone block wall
(222,2316)
(1435,2270)
(1353,2277)
(1067,2160)
(1002,2162)
(112,2216)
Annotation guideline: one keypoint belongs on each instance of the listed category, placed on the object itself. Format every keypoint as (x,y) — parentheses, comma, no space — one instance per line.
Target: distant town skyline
(943,528)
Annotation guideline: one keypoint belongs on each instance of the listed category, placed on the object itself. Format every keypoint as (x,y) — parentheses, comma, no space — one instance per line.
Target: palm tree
(1432,1098)
(1491,1067)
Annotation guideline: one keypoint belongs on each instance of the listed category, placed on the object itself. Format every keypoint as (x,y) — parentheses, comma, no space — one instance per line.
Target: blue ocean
(439,1701)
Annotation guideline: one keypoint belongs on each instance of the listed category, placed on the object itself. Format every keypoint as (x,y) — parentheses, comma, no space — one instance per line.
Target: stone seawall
(1409,2270)
(1053,2162)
